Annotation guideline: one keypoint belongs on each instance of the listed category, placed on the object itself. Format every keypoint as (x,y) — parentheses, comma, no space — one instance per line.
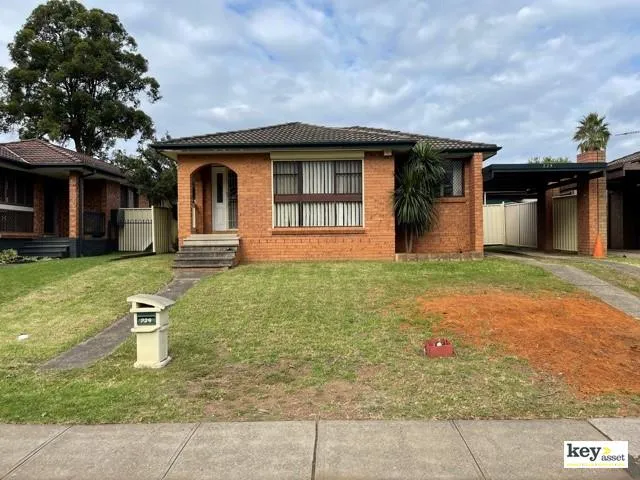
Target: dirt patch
(593,346)
(277,391)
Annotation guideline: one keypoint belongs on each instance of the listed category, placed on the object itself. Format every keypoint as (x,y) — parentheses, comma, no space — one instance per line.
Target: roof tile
(297,133)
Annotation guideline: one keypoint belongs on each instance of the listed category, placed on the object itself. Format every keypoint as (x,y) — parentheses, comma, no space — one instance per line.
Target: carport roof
(530,177)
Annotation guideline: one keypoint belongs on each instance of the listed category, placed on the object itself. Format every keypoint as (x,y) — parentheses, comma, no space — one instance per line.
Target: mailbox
(151,327)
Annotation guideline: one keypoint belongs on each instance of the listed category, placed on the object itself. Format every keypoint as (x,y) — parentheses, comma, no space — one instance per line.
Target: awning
(534,177)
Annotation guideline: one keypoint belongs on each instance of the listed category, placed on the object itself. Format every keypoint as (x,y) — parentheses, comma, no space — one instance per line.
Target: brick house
(297,191)
(623,185)
(58,202)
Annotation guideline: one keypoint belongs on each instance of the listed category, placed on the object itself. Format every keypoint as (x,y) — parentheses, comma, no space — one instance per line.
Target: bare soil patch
(595,347)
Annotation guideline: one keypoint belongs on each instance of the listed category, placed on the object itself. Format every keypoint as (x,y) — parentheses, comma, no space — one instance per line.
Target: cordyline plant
(418,184)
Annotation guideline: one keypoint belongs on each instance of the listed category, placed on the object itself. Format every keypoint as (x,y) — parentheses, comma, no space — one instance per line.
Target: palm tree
(592,133)
(417,189)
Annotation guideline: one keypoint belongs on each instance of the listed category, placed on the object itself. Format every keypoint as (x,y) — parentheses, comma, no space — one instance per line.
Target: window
(453,184)
(317,194)
(15,189)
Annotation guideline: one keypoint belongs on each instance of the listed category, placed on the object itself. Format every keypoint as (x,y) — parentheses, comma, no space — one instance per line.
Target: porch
(214,200)
(60,214)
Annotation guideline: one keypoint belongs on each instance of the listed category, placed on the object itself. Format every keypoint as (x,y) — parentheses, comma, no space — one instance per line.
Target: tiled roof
(302,134)
(631,158)
(7,154)
(39,153)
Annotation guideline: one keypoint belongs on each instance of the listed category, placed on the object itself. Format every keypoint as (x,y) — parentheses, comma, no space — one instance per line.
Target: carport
(571,199)
(623,183)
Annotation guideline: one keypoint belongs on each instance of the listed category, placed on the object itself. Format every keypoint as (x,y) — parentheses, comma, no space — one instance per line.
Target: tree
(76,76)
(152,173)
(592,133)
(417,189)
(549,160)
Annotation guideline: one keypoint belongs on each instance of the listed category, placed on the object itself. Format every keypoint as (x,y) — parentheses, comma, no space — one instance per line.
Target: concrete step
(44,252)
(230,242)
(195,248)
(202,263)
(50,240)
(206,255)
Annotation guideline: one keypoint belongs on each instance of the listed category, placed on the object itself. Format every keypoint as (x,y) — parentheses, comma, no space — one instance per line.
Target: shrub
(8,256)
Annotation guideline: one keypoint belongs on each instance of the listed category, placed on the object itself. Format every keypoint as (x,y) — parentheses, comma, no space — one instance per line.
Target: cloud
(518,73)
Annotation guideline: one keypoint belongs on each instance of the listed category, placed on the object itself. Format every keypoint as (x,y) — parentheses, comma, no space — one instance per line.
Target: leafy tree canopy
(152,173)
(76,76)
(592,133)
(549,160)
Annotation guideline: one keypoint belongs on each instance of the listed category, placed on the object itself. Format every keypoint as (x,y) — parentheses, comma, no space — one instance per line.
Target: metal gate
(135,232)
(565,223)
(513,224)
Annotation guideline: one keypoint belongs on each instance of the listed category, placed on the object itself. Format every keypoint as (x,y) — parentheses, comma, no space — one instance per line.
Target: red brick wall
(93,194)
(260,241)
(74,204)
(459,225)
(143,201)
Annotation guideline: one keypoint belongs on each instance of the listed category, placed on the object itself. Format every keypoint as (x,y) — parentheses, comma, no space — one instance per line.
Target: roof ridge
(64,151)
(254,129)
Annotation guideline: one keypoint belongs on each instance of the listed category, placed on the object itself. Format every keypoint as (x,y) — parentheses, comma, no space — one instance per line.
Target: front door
(220,198)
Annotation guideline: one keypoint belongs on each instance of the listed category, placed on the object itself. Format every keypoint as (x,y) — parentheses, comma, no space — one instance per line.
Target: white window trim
(313,156)
(15,208)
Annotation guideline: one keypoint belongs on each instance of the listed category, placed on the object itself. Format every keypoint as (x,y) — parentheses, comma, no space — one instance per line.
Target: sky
(516,73)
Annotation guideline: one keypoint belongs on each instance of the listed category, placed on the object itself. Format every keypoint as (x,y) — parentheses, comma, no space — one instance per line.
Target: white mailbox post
(151,326)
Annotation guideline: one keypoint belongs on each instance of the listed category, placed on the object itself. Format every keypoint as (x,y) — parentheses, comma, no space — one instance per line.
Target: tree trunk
(408,240)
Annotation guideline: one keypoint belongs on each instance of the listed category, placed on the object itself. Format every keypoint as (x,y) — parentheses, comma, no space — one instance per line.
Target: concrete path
(625,268)
(105,343)
(465,449)
(614,296)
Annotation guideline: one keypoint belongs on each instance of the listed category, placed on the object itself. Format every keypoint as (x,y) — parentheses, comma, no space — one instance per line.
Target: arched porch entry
(214,200)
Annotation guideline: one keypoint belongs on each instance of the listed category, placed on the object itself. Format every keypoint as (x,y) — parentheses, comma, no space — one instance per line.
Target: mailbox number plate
(146,318)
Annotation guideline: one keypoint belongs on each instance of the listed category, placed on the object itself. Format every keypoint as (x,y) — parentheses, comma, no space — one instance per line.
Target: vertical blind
(317,190)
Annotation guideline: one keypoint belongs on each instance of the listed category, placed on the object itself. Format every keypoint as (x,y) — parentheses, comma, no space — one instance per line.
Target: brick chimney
(594,156)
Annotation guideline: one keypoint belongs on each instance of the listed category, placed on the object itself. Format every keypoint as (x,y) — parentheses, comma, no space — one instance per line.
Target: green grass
(17,280)
(64,302)
(307,340)
(610,274)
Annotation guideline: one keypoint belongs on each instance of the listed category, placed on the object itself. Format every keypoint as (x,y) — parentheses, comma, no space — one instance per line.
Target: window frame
(463,164)
(301,198)
(22,187)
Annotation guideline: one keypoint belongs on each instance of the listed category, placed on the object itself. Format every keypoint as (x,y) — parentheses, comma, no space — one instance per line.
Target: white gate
(493,221)
(513,224)
(146,229)
(565,223)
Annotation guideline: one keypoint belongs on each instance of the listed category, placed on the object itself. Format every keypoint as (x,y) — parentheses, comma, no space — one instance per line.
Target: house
(623,184)
(300,192)
(57,202)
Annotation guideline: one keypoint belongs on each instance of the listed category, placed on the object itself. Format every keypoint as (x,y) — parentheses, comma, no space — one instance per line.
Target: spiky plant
(592,133)
(417,189)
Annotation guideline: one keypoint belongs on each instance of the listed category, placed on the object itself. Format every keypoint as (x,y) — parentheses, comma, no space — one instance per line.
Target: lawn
(609,274)
(60,303)
(313,340)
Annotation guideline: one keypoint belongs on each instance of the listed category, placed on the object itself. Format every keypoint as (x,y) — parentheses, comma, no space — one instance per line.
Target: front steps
(46,247)
(208,251)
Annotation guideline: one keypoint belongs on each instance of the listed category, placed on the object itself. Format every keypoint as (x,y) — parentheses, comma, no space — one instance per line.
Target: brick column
(184,201)
(476,214)
(74,205)
(199,201)
(38,208)
(545,219)
(592,207)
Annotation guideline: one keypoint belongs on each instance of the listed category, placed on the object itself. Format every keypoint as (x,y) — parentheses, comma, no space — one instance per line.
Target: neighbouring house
(57,202)
(299,192)
(623,184)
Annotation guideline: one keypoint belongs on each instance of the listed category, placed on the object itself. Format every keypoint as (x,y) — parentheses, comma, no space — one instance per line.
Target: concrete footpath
(461,449)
